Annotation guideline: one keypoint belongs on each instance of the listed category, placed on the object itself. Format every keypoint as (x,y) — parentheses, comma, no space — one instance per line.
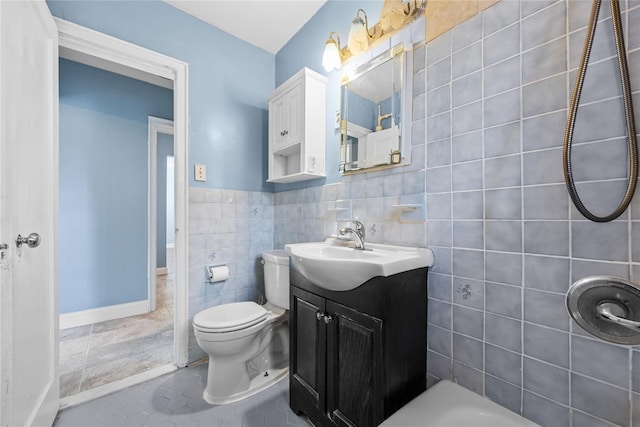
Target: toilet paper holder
(218,272)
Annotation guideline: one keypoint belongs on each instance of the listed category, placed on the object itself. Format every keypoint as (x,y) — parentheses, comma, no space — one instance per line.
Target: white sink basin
(341,268)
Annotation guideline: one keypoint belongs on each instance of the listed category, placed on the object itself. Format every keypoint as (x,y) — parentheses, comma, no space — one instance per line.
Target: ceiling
(382,81)
(267,24)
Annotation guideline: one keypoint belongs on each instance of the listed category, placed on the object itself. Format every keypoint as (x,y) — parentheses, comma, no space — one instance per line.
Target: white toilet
(247,343)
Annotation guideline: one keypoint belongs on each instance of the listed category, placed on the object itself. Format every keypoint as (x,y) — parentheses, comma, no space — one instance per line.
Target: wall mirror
(375,113)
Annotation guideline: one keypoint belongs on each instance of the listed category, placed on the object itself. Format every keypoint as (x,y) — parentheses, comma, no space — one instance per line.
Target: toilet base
(256,385)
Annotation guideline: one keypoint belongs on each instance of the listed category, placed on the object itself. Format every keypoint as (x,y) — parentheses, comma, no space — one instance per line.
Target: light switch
(201,173)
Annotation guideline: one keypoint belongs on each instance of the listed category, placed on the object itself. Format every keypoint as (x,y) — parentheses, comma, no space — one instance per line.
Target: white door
(29,373)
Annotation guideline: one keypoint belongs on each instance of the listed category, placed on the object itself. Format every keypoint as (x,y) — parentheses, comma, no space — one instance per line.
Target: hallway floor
(175,399)
(101,353)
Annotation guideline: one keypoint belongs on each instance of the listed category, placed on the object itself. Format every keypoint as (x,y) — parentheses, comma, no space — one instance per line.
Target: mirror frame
(406,118)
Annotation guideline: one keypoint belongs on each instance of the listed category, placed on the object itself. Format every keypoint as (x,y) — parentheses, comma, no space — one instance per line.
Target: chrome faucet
(357,234)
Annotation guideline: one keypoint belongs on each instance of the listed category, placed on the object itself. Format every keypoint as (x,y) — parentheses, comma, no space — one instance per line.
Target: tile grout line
(522,216)
(484,223)
(568,93)
(629,243)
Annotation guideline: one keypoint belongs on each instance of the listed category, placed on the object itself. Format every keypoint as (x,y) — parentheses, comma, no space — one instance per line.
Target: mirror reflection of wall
(372,113)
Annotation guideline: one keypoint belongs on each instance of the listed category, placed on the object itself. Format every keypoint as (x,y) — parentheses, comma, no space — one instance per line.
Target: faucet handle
(359,228)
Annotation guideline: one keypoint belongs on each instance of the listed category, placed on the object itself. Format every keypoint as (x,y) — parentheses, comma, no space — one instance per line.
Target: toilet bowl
(247,343)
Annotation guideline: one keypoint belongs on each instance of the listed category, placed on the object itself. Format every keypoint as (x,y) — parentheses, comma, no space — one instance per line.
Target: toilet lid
(230,317)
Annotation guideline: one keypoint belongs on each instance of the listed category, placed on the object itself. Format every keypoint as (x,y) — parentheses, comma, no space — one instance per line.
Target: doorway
(161,206)
(92,48)
(109,156)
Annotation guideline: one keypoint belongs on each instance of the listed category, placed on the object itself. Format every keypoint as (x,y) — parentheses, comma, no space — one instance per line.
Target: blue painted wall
(165,149)
(391,105)
(360,110)
(305,50)
(103,185)
(229,83)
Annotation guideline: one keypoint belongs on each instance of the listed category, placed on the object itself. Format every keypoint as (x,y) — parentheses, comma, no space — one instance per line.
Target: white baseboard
(102,314)
(161,271)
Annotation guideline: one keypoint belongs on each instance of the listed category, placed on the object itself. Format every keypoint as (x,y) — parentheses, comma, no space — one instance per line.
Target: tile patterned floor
(104,352)
(175,399)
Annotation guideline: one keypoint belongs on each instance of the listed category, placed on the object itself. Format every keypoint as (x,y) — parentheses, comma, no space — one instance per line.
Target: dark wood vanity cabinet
(357,356)
(338,361)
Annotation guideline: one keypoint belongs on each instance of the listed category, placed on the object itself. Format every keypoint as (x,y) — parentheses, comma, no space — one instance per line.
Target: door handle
(32,240)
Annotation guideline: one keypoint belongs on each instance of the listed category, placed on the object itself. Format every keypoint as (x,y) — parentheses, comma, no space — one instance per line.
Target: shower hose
(628,107)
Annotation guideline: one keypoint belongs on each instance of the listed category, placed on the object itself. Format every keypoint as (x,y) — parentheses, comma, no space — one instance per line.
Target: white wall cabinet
(288,117)
(297,128)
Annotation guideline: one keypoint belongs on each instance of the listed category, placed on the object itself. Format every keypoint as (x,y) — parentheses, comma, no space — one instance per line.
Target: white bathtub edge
(447,404)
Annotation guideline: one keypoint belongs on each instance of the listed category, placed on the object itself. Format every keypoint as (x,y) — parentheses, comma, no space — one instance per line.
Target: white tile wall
(226,227)
(506,239)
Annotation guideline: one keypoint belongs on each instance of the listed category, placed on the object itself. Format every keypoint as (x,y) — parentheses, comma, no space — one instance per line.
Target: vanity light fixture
(392,16)
(395,15)
(332,58)
(359,34)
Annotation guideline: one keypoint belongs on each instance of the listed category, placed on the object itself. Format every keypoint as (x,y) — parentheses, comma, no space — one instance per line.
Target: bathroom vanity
(357,356)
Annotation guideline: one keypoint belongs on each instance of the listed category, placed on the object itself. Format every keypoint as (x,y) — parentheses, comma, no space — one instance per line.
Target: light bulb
(358,34)
(331,56)
(358,29)
(357,47)
(356,43)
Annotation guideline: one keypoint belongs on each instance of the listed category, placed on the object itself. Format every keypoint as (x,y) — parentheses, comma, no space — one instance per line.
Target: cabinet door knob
(327,319)
(286,132)
(319,315)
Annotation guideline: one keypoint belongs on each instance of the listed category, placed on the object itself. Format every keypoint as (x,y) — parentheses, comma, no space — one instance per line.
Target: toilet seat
(230,317)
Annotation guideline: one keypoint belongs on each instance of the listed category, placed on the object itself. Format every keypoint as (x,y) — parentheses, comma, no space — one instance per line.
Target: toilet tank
(276,277)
